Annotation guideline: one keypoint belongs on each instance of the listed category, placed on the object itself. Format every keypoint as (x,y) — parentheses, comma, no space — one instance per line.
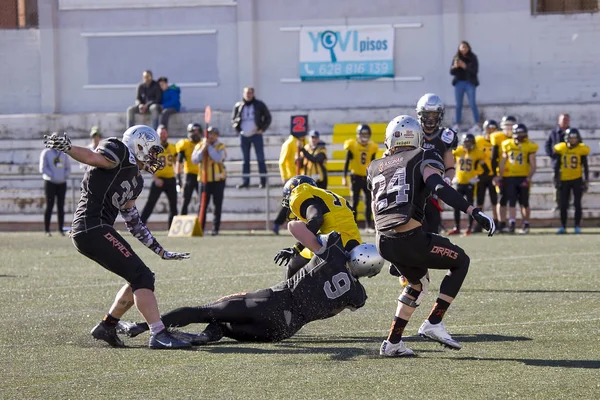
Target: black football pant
(565,188)
(484,185)
(216,191)
(467,192)
(433,218)
(282,215)
(169,187)
(357,184)
(54,191)
(255,317)
(516,192)
(191,184)
(413,252)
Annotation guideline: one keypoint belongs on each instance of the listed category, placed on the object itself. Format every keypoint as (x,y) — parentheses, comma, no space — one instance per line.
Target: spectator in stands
(95,137)
(55,168)
(148,99)
(251,118)
(211,153)
(465,67)
(163,180)
(555,137)
(314,159)
(288,167)
(171,103)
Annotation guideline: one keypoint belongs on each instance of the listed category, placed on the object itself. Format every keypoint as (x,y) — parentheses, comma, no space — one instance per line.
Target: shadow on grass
(587,364)
(528,291)
(479,338)
(8,276)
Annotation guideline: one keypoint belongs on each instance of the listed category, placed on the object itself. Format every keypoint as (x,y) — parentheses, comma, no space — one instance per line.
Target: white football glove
(474,181)
(173,255)
(60,143)
(486,222)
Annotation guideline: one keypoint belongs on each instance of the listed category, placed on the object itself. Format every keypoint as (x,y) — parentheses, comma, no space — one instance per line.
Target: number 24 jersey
(396,182)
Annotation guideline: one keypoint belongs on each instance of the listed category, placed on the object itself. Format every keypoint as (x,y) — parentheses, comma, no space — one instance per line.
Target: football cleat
(561,231)
(196,339)
(130,329)
(512,227)
(577,230)
(166,340)
(438,333)
(454,231)
(524,230)
(108,333)
(389,349)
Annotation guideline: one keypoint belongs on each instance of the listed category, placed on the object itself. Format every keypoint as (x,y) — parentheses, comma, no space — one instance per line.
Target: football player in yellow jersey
(185,147)
(483,143)
(496,139)
(359,153)
(215,174)
(164,179)
(314,158)
(517,166)
(323,212)
(573,174)
(468,161)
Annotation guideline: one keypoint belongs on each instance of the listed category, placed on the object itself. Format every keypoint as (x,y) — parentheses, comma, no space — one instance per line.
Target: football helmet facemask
(363,133)
(520,133)
(194,132)
(430,112)
(490,124)
(144,144)
(507,123)
(572,137)
(292,184)
(468,141)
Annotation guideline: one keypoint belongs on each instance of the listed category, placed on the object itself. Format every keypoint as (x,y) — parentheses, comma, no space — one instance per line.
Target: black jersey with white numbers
(397,186)
(105,191)
(441,141)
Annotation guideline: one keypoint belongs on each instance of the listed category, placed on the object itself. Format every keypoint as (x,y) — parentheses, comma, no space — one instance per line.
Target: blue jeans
(460,89)
(259,148)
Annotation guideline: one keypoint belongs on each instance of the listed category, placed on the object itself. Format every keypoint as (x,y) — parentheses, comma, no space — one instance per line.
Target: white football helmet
(403,131)
(144,144)
(430,111)
(364,260)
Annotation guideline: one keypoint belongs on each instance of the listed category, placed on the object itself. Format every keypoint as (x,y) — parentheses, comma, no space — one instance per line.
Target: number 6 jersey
(105,191)
(396,182)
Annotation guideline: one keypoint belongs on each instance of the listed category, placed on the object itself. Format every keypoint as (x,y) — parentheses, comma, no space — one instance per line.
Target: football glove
(173,255)
(499,182)
(60,143)
(284,256)
(448,181)
(474,180)
(486,222)
(525,183)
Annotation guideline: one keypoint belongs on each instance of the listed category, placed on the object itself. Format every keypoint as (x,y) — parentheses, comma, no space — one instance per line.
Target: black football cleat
(108,333)
(130,329)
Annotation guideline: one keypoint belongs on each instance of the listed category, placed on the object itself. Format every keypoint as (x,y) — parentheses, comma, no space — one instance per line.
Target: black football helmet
(490,123)
(194,131)
(292,184)
(507,123)
(468,141)
(572,137)
(363,133)
(520,133)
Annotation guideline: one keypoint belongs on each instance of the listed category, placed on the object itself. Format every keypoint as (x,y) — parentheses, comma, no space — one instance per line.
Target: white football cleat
(389,349)
(438,333)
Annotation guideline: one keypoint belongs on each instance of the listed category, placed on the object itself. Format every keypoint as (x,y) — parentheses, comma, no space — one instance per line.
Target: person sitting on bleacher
(171,102)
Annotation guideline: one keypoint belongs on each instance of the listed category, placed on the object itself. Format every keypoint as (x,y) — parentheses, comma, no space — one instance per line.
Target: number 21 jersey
(396,183)
(105,191)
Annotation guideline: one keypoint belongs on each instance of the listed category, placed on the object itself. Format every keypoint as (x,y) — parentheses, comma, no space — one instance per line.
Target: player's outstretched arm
(448,195)
(78,153)
(308,239)
(140,231)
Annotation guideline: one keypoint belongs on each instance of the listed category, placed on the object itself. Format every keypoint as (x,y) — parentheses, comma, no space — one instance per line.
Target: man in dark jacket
(171,103)
(555,137)
(148,99)
(251,118)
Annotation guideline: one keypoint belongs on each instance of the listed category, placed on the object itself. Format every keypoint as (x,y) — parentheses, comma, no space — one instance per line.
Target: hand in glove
(486,222)
(60,143)
(173,255)
(473,181)
(284,256)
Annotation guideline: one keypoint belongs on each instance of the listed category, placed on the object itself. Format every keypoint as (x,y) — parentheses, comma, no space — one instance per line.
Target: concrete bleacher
(22,198)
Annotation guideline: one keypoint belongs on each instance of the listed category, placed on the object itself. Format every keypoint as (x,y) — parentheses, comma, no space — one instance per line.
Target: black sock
(437,312)
(396,330)
(110,320)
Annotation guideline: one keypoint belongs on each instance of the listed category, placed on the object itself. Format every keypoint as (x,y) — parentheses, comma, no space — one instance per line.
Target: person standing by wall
(314,159)
(251,118)
(556,136)
(215,174)
(465,67)
(55,168)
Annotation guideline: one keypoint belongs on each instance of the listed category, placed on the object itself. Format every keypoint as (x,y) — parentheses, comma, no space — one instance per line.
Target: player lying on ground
(323,288)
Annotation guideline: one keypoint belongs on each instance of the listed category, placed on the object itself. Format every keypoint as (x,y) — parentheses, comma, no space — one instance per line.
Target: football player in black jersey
(401,183)
(430,113)
(323,288)
(109,187)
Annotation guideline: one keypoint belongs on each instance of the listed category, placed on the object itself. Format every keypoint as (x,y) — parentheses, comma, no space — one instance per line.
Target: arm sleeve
(313,212)
(181,156)
(473,66)
(43,169)
(347,163)
(197,156)
(448,195)
(495,154)
(268,118)
(485,168)
(139,230)
(138,95)
(216,155)
(548,146)
(312,158)
(67,166)
(586,170)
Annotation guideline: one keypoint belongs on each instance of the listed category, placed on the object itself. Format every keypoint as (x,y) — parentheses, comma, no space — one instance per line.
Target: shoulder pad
(114,150)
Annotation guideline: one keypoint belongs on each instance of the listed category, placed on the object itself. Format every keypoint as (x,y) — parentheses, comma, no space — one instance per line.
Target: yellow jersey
(517,157)
(337,215)
(187,146)
(287,158)
(496,140)
(570,160)
(467,164)
(168,158)
(361,155)
(215,170)
(485,147)
(315,170)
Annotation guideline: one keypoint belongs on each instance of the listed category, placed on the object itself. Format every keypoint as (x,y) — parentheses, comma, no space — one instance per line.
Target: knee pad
(144,280)
(419,295)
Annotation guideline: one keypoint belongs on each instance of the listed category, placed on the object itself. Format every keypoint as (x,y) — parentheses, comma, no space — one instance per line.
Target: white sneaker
(438,333)
(389,349)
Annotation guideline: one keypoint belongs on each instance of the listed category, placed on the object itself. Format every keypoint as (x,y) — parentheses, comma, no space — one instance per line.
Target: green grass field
(527,316)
